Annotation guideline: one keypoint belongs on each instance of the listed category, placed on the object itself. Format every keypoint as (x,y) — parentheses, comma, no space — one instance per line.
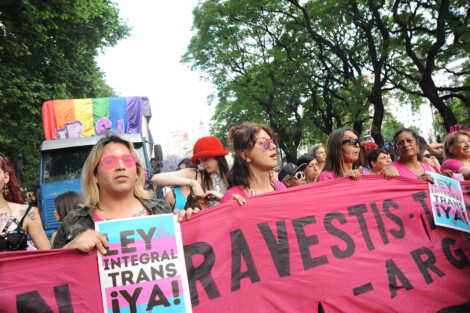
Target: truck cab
(61,167)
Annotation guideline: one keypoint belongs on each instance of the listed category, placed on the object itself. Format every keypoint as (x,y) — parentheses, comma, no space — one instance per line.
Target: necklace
(252,193)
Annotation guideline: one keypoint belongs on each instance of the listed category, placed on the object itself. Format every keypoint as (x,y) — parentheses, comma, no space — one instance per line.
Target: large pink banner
(337,246)
(340,246)
(62,281)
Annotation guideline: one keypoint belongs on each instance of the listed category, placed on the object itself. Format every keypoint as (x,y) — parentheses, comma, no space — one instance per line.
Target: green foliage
(389,127)
(309,67)
(47,51)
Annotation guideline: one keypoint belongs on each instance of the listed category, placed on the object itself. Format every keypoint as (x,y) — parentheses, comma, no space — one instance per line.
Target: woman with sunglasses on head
(211,182)
(457,154)
(407,149)
(342,153)
(113,188)
(17,220)
(254,147)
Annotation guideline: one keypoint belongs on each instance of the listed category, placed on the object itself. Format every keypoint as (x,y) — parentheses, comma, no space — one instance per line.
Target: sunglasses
(426,156)
(266,144)
(299,175)
(109,161)
(351,142)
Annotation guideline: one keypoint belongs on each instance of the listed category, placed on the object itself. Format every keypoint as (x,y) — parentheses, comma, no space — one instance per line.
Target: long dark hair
(334,152)
(14,190)
(66,202)
(241,138)
(223,172)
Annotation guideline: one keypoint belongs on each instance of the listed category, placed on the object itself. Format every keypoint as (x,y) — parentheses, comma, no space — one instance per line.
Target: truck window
(57,165)
(139,150)
(63,164)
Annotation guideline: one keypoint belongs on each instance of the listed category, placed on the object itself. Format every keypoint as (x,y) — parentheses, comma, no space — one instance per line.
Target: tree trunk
(430,91)
(377,120)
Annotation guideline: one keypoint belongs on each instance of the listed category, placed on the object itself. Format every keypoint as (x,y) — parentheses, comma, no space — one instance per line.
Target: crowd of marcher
(113,179)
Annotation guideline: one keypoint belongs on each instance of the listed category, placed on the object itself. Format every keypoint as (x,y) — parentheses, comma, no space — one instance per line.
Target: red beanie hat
(207,147)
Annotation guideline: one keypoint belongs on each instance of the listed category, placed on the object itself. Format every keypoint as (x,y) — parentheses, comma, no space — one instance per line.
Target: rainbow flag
(93,116)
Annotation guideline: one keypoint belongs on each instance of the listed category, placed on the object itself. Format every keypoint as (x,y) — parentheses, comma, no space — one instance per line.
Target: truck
(72,127)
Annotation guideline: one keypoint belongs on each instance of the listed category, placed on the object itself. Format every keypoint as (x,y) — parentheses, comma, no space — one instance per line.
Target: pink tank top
(405,172)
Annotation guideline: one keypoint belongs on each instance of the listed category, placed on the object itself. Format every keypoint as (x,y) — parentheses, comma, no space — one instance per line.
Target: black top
(17,239)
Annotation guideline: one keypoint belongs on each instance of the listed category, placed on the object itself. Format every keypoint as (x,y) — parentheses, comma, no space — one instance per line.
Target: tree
(47,51)
(298,65)
(256,56)
(433,34)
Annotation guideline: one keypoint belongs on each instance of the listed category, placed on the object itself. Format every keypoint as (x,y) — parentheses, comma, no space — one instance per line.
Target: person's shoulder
(20,209)
(74,215)
(279,185)
(232,191)
(426,167)
(451,164)
(156,206)
(327,175)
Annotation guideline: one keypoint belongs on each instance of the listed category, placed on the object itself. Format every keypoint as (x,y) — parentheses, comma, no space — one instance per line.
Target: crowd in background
(113,179)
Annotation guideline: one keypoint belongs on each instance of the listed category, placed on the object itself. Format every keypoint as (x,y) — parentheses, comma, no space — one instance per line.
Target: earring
(5,189)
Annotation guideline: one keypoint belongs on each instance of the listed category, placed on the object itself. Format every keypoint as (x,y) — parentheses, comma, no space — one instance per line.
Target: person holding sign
(342,154)
(17,220)
(209,153)
(254,147)
(113,188)
(457,153)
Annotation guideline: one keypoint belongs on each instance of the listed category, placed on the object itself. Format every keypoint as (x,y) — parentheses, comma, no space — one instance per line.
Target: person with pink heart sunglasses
(113,187)
(255,156)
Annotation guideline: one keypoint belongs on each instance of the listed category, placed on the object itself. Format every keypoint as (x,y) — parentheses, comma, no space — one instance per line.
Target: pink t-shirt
(451,164)
(238,191)
(330,175)
(405,172)
(326,176)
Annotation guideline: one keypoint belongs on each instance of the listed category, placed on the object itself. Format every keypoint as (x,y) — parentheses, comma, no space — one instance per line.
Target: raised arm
(185,177)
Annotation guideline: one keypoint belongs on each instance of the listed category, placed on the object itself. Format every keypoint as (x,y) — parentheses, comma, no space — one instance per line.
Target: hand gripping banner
(335,246)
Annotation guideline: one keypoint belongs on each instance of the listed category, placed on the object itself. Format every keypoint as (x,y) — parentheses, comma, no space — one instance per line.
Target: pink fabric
(330,175)
(405,172)
(353,246)
(451,164)
(326,176)
(349,245)
(238,191)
